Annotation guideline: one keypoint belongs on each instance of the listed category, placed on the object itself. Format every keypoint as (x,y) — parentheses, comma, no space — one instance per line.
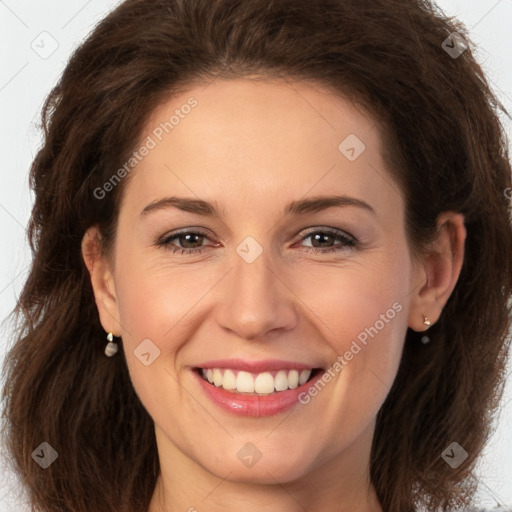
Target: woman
(272,263)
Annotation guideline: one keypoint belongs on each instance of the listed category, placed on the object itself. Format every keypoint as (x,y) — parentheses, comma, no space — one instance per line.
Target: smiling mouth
(262,384)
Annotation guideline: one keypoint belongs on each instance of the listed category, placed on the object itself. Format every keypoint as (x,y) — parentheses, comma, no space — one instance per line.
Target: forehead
(266,109)
(255,137)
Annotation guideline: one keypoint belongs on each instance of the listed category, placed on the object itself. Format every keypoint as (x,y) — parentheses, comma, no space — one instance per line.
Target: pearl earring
(111,347)
(426,321)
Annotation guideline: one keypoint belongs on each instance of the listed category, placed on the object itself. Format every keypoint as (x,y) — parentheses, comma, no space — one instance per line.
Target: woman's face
(277,277)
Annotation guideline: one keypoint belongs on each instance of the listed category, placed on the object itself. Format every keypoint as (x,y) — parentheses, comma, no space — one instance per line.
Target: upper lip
(265,365)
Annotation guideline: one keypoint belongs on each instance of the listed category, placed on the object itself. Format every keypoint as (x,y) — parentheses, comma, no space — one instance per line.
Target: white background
(25,80)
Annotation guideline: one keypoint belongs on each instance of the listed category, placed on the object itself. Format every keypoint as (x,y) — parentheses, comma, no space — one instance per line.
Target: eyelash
(347,241)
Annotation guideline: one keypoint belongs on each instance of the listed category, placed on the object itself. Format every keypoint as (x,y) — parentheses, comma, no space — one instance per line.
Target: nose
(256,299)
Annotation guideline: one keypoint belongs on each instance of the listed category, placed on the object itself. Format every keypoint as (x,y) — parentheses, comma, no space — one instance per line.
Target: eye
(191,242)
(324,237)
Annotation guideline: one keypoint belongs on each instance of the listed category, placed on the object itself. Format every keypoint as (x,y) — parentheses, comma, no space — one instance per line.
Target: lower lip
(254,405)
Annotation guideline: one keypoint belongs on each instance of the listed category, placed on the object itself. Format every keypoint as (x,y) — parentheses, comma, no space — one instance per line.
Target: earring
(426,321)
(111,347)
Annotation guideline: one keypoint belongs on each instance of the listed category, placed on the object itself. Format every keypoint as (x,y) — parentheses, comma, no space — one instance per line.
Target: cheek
(358,300)
(155,304)
(361,311)
(155,299)
(364,320)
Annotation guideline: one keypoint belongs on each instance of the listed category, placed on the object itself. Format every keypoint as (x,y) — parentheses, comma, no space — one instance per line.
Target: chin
(278,468)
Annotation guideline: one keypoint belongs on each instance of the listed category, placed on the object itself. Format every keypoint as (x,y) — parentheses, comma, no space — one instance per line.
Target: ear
(438,272)
(102,280)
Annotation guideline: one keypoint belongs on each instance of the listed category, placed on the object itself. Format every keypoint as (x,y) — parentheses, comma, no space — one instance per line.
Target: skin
(253,146)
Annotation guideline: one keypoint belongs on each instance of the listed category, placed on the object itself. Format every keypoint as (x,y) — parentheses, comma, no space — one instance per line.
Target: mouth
(266,383)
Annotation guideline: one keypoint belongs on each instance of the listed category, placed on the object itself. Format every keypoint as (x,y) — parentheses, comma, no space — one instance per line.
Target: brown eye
(322,240)
(187,242)
(190,240)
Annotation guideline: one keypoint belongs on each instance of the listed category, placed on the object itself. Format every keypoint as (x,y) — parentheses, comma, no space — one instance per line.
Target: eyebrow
(300,207)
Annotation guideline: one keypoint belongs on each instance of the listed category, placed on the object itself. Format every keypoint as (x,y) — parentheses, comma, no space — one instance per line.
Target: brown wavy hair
(444,146)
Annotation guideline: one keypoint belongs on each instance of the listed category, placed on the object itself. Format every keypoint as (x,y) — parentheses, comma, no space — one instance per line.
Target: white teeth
(263,383)
(217,377)
(293,379)
(304,376)
(244,382)
(281,381)
(229,380)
